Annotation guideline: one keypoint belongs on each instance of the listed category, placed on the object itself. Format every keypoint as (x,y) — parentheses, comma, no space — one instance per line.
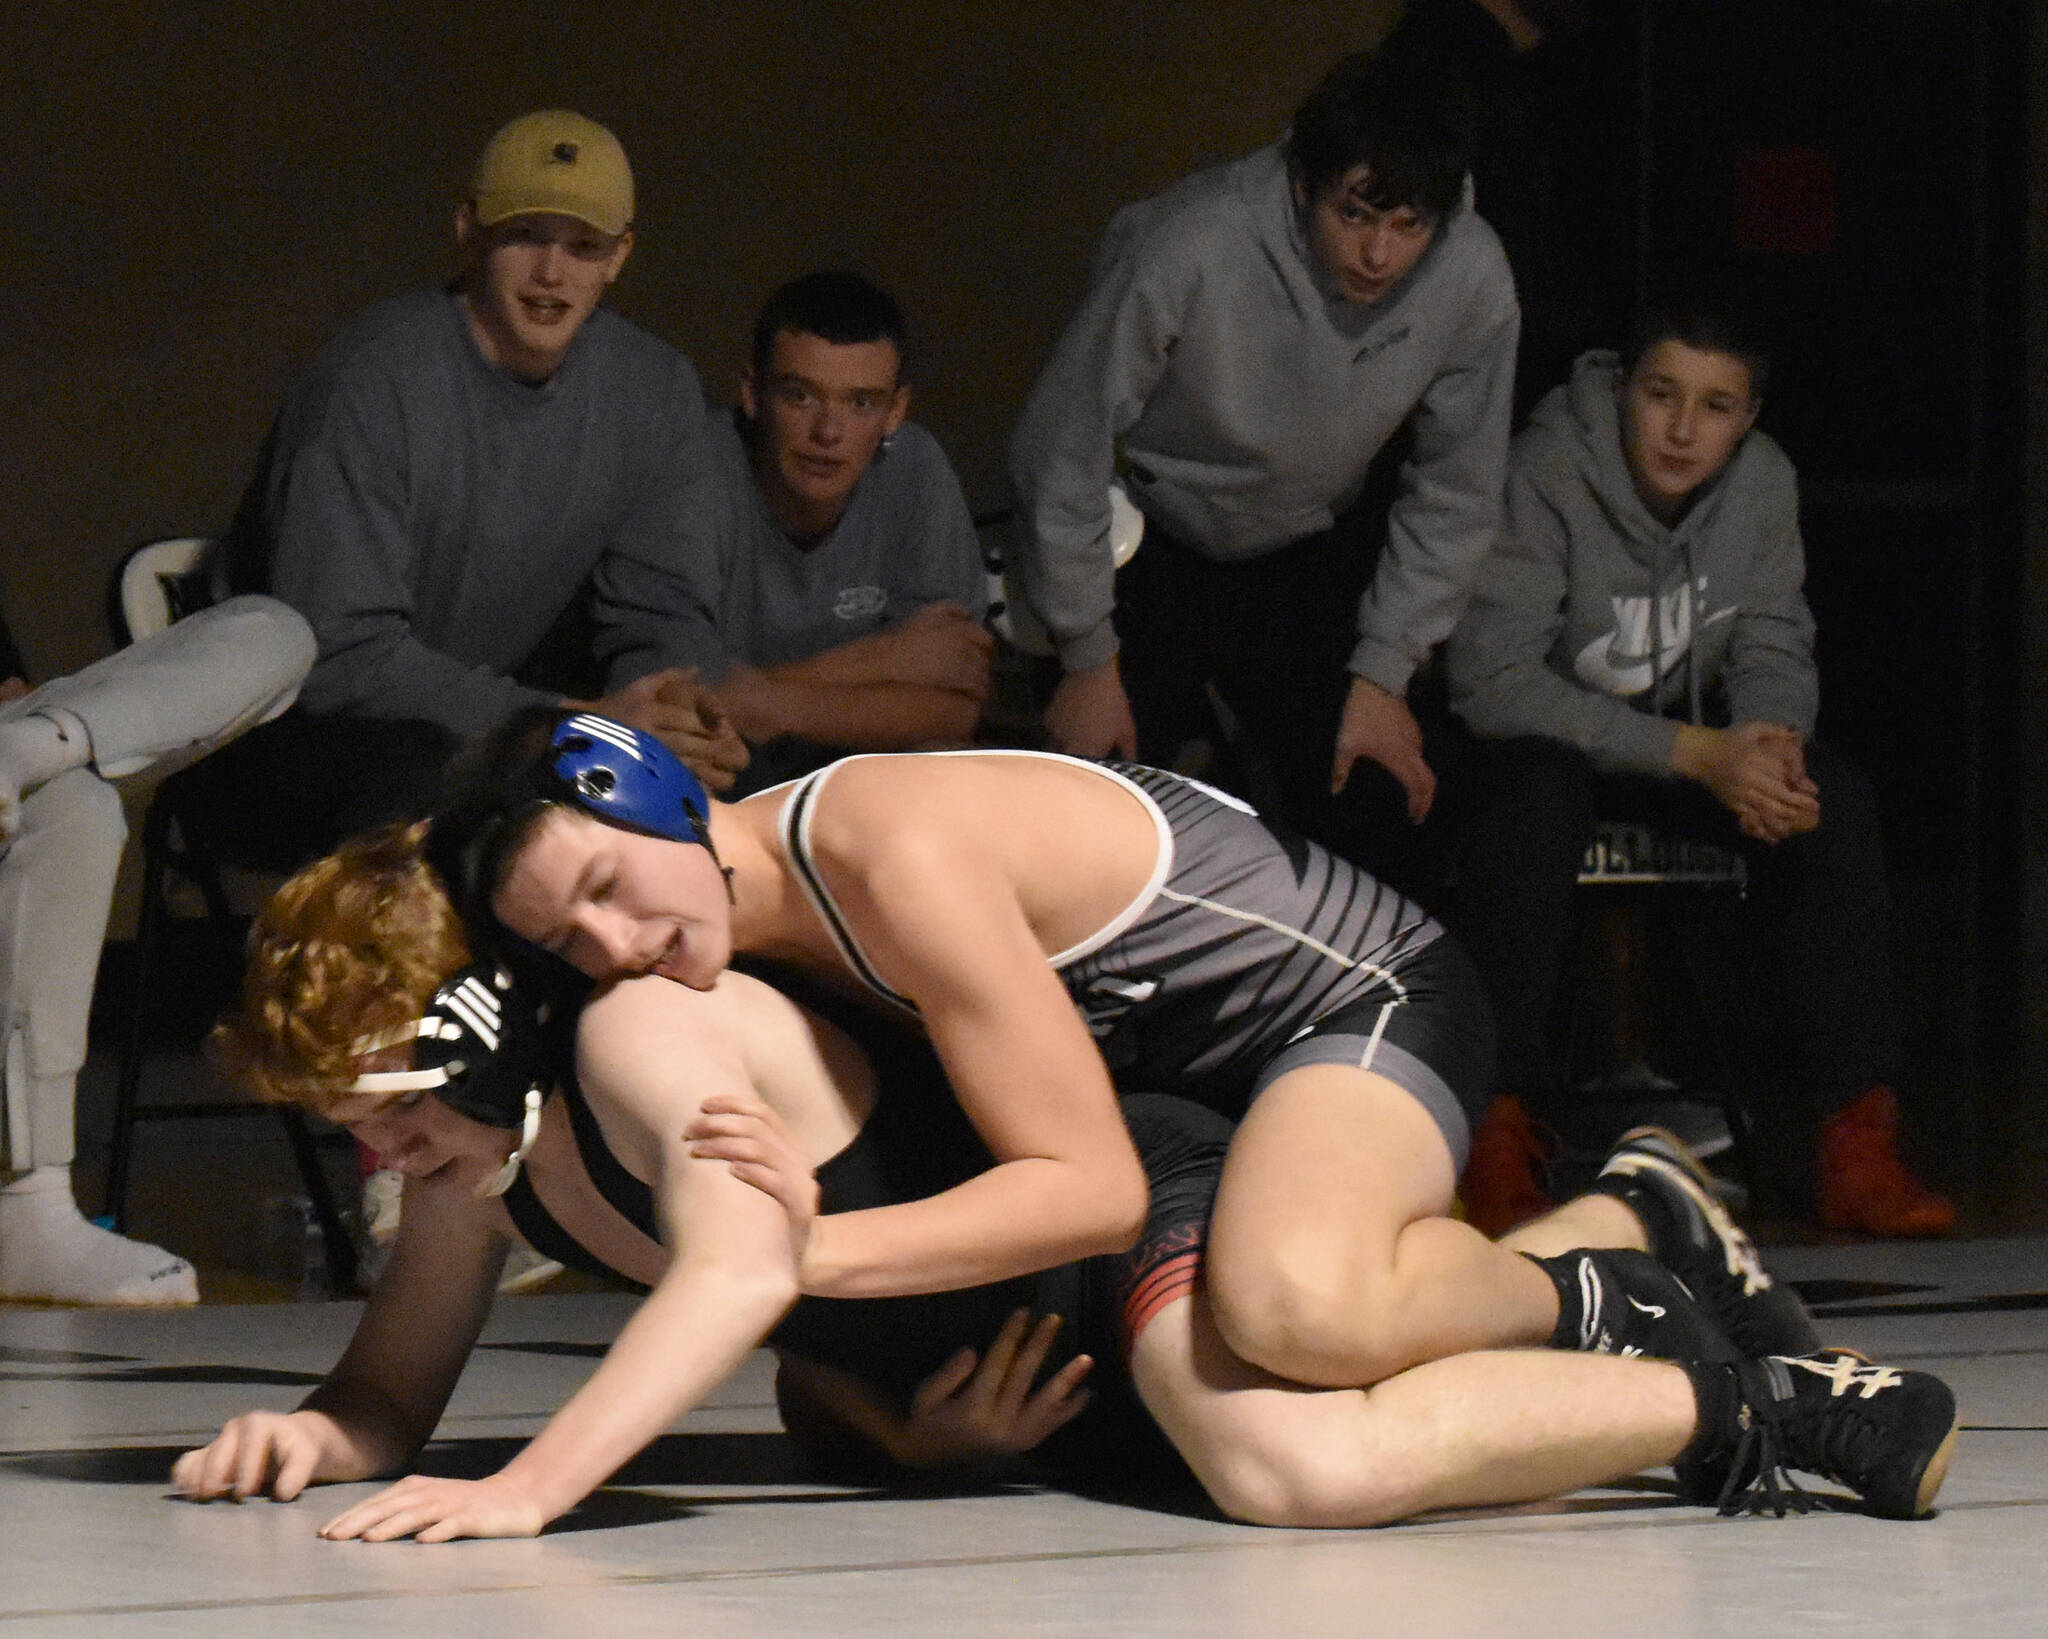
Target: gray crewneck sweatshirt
(1248,403)
(905,540)
(1597,625)
(431,516)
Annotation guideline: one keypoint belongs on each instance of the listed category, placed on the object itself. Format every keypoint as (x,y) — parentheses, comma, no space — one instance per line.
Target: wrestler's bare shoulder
(733,1010)
(1022,807)
(740,1033)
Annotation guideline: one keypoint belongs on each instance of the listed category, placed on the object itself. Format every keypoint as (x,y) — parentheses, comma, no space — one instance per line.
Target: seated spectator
(843,588)
(457,470)
(1640,648)
(173,696)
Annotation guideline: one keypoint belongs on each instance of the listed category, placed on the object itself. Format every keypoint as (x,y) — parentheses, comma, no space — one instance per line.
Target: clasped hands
(679,711)
(1757,771)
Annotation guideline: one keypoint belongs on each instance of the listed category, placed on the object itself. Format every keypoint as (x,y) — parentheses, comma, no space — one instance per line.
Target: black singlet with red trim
(915,1143)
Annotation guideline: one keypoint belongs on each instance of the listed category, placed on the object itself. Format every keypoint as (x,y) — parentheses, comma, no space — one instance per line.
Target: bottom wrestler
(355,1005)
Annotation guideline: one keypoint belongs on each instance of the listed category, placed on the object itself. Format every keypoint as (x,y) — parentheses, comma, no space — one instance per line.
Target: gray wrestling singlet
(1240,941)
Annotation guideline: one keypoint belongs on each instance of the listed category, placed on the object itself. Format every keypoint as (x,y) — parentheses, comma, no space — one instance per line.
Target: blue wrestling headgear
(624,777)
(537,761)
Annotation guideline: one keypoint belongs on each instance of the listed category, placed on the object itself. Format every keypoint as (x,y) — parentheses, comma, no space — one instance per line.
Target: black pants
(289,791)
(1524,811)
(1273,636)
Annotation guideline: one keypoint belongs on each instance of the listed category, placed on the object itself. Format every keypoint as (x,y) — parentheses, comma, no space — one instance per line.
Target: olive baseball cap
(555,162)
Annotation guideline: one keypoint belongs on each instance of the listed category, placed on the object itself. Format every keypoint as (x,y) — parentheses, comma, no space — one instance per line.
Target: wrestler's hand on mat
(440,1511)
(979,1406)
(751,1139)
(1089,715)
(262,1453)
(1379,726)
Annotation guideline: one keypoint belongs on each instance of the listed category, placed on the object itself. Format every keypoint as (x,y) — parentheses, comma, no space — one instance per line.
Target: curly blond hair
(355,943)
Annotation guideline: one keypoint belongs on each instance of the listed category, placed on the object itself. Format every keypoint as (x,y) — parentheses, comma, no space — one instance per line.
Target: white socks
(34,750)
(51,1253)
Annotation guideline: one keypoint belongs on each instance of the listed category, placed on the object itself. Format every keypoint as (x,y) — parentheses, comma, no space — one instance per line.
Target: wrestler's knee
(1304,1477)
(1312,1318)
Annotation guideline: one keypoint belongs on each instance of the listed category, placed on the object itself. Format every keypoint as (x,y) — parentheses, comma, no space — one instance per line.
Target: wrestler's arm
(730,1278)
(943,922)
(380,1403)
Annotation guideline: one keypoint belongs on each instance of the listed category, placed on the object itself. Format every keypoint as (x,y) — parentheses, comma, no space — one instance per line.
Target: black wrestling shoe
(1691,1234)
(1613,1301)
(1884,1433)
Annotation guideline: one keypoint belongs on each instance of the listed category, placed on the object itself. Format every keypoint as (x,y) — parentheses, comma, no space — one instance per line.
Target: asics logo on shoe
(1656,1311)
(1847,1374)
(1738,1251)
(1594,1338)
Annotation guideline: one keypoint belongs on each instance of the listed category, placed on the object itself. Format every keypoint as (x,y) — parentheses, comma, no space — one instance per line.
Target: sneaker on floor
(1862,1183)
(1884,1433)
(1691,1234)
(1502,1185)
(51,1253)
(525,1269)
(1616,1301)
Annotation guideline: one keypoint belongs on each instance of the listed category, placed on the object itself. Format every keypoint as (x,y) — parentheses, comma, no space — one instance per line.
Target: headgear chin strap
(624,777)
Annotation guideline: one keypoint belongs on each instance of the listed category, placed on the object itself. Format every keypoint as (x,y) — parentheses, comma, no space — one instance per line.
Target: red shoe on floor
(1500,1188)
(1861,1182)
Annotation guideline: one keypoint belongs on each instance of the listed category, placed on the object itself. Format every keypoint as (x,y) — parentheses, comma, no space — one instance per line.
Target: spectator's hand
(940,646)
(1379,726)
(751,1139)
(12,688)
(975,1407)
(1089,715)
(1757,771)
(263,1453)
(680,712)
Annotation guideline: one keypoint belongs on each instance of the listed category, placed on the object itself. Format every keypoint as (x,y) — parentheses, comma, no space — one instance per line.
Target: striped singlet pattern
(1240,940)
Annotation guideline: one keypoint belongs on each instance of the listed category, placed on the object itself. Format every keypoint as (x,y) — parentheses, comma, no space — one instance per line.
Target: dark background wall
(201,193)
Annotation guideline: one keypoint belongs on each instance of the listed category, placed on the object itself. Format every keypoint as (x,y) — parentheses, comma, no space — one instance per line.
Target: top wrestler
(1062,930)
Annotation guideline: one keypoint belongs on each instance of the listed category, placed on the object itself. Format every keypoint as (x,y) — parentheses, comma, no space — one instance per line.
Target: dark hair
(496,795)
(840,307)
(1406,115)
(1711,315)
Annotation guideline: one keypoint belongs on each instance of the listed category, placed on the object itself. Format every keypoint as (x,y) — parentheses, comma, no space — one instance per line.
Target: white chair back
(161,581)
(1012,618)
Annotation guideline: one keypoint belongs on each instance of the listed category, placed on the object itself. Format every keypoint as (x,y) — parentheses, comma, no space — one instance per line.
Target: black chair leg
(149,937)
(1727,1068)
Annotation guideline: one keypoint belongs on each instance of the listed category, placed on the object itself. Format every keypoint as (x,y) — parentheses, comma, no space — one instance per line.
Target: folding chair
(158,584)
(1628,870)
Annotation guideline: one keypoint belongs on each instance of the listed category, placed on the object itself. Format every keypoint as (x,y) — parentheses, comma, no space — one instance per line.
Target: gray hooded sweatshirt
(1249,401)
(1597,625)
